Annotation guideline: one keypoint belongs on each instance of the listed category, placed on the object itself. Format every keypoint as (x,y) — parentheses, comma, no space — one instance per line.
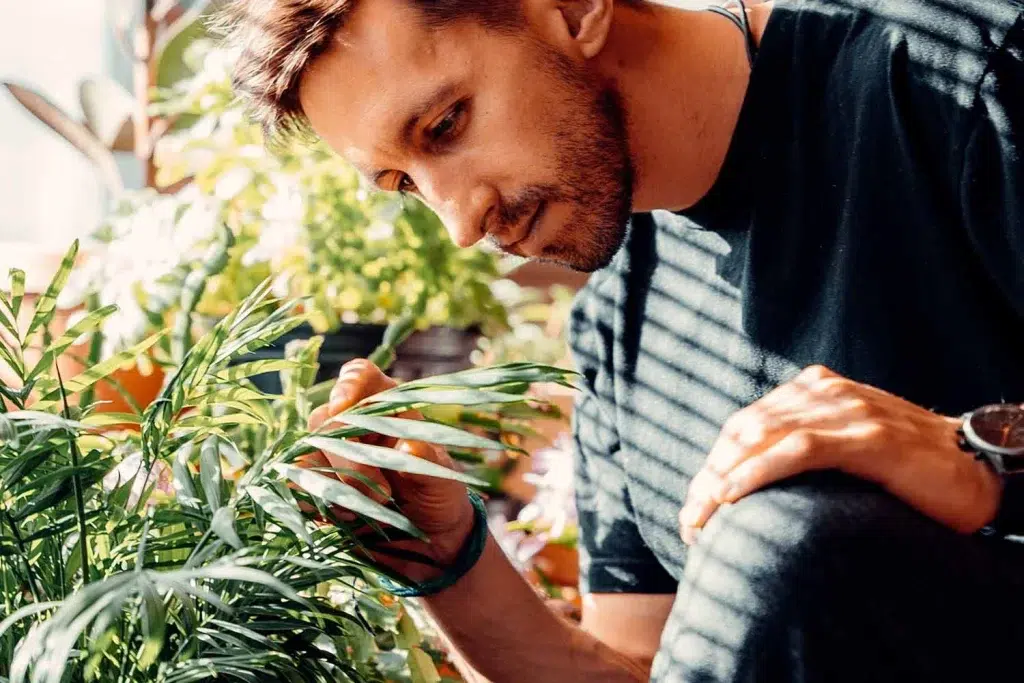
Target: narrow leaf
(388,458)
(282,512)
(339,493)
(153,625)
(100,371)
(495,376)
(223,525)
(184,488)
(47,304)
(420,430)
(463,397)
(107,419)
(8,318)
(26,611)
(88,324)
(17,290)
(209,471)
(256,367)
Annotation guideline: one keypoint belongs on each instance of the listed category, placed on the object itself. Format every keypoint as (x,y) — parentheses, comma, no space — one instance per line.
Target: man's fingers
(357,380)
(801,451)
(702,499)
(318,417)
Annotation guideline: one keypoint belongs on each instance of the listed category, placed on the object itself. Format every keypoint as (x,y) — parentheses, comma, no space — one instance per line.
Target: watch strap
(1009,520)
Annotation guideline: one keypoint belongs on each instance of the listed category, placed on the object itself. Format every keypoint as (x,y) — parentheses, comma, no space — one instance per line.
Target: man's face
(502,135)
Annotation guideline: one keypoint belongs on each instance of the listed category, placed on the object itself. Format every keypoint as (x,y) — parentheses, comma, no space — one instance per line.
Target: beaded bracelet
(468,555)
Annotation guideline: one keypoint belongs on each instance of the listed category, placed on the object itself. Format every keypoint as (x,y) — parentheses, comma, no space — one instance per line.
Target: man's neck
(682,76)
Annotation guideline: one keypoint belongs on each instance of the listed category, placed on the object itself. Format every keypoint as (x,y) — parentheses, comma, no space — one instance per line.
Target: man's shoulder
(945,39)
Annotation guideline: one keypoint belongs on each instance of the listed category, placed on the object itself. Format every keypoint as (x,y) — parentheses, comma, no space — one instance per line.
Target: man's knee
(766,570)
(777,542)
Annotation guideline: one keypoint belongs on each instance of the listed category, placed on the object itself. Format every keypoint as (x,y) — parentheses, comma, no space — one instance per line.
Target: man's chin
(581,263)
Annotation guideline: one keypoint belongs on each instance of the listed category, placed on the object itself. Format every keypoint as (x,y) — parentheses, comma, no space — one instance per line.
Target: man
(772,483)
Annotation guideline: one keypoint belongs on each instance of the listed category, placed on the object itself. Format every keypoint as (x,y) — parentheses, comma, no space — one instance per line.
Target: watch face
(998,428)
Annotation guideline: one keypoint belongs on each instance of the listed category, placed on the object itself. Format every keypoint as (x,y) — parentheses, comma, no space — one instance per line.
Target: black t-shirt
(869,217)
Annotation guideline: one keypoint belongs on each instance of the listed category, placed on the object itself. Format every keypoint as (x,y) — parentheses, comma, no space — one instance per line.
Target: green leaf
(184,488)
(339,493)
(209,471)
(17,290)
(256,367)
(281,511)
(421,667)
(88,324)
(12,359)
(388,458)
(8,319)
(408,635)
(531,373)
(420,430)
(107,419)
(462,397)
(47,304)
(26,611)
(265,336)
(223,525)
(233,572)
(100,371)
(154,622)
(230,420)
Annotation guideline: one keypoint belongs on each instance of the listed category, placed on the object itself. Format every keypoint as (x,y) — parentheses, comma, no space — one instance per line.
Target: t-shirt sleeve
(992,177)
(613,556)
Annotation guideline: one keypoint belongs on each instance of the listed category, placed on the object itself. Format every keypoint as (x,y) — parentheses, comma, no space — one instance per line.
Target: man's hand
(438,507)
(821,420)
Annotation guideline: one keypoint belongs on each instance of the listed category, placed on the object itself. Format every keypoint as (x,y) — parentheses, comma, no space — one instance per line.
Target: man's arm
(506,632)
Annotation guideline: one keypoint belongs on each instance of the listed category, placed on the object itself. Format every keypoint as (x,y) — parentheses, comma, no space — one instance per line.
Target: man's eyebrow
(436,98)
(445,92)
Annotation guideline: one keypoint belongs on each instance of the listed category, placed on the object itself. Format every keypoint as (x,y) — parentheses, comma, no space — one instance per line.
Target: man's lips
(531,226)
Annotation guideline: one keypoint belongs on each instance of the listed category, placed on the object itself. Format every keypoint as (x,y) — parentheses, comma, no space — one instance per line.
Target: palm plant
(189,547)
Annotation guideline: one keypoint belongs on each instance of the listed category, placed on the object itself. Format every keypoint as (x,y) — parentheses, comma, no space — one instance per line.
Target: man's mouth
(531,228)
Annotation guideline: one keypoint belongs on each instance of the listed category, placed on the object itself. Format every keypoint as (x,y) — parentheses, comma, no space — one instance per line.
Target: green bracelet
(468,555)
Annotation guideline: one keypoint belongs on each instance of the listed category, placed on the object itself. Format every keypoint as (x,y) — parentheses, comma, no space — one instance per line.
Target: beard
(594,167)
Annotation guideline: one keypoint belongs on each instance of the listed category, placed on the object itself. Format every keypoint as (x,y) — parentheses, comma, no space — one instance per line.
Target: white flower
(232,182)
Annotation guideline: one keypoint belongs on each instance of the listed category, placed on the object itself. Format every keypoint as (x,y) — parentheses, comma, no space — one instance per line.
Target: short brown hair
(277,40)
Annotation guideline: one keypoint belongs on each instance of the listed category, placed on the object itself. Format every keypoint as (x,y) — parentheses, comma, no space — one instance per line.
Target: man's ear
(589,22)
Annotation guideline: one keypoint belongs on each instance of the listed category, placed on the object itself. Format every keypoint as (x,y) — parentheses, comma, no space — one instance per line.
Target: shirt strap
(742,23)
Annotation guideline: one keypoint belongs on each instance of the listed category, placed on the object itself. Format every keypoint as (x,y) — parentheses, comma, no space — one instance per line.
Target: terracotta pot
(559,564)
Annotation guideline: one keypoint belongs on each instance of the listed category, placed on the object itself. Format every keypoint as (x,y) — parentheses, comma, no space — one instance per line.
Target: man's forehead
(385,64)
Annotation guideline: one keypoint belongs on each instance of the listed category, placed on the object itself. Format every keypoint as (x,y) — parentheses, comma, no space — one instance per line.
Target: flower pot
(430,352)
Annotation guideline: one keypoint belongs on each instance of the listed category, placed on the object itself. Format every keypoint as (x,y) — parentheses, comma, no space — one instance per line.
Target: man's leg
(827,579)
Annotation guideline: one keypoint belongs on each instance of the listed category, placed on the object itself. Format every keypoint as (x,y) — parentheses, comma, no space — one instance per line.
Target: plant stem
(76,480)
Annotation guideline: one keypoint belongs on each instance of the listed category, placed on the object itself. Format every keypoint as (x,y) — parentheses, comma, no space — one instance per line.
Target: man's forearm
(506,632)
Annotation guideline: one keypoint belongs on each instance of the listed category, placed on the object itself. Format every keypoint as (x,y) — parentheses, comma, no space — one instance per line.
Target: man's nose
(465,208)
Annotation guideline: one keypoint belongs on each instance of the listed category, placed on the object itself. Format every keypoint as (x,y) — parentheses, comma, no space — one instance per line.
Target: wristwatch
(995,435)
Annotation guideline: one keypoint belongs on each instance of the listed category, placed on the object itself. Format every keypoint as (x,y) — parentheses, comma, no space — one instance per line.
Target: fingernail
(690,535)
(339,400)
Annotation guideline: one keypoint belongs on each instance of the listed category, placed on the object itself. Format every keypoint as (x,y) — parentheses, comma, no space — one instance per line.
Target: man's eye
(446,127)
(405,184)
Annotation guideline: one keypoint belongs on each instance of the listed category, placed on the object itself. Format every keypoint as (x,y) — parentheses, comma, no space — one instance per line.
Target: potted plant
(181,551)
